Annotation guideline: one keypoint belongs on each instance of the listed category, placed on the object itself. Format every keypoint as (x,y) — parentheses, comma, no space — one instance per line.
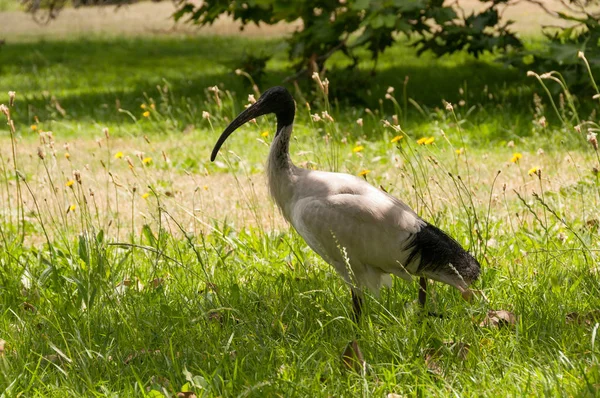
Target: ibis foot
(353,358)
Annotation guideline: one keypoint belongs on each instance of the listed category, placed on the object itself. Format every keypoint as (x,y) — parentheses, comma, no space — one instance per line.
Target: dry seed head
(591,137)
(562,237)
(388,96)
(4,109)
(390,90)
(596,96)
(205,115)
(77,175)
(531,73)
(359,121)
(251,98)
(11,124)
(448,106)
(129,162)
(395,119)
(11,98)
(317,78)
(580,54)
(578,128)
(315,117)
(326,86)
(238,72)
(546,75)
(40,153)
(325,115)
(543,122)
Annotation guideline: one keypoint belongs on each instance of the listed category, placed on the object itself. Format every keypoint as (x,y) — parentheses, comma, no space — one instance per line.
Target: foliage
(577,29)
(332,26)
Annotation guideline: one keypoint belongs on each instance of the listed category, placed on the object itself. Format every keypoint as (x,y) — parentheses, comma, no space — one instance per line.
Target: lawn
(132,265)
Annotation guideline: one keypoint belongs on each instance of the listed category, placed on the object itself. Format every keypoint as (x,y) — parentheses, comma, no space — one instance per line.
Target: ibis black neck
(275,100)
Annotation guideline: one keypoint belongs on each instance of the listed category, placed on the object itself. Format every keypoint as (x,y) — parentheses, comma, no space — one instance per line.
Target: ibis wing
(371,230)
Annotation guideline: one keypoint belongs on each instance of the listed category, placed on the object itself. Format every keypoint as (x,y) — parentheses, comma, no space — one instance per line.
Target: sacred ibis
(363,232)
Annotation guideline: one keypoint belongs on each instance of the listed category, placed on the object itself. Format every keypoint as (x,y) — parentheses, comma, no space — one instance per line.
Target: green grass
(88,77)
(178,274)
(9,5)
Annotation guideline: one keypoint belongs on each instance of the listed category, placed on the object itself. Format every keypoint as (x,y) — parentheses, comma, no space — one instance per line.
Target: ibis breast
(350,223)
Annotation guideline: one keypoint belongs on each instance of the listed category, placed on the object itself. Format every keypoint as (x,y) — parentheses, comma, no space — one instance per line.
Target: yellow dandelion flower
(147,160)
(515,157)
(143,106)
(67,155)
(33,127)
(152,106)
(264,134)
(422,140)
(205,187)
(146,114)
(429,141)
(358,148)
(146,195)
(396,139)
(118,155)
(364,172)
(70,183)
(533,170)
(71,208)
(459,151)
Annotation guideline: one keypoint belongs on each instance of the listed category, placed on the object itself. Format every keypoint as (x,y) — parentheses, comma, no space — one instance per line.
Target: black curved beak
(255,110)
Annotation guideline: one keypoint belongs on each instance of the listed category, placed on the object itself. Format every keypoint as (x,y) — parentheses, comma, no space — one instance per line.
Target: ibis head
(275,100)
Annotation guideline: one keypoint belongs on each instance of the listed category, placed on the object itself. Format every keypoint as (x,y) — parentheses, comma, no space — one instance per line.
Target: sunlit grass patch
(136,266)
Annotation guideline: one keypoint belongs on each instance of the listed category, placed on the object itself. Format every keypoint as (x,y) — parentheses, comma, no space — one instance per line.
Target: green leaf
(360,4)
(147,231)
(83,249)
(443,15)
(100,236)
(410,5)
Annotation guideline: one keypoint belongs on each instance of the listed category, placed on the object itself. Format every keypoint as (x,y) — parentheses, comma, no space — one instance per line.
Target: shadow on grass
(91,78)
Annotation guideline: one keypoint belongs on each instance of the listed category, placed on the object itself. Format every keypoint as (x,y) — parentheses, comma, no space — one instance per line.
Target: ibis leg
(423,297)
(422,291)
(357,303)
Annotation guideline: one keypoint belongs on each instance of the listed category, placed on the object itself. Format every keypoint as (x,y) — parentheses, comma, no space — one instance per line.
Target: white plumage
(363,232)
